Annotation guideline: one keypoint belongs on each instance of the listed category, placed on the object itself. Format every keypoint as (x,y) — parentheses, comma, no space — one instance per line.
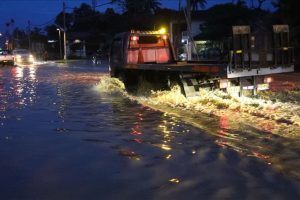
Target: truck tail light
(134,38)
(164,37)
(268,80)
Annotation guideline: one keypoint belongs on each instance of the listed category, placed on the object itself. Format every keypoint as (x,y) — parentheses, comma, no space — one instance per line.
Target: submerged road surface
(62,139)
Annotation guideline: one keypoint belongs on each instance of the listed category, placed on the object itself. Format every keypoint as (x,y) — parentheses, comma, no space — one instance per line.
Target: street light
(65,45)
(65,40)
(60,52)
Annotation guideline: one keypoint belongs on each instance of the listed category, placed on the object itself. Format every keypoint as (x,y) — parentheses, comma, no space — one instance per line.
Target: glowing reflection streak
(223,124)
(3,95)
(19,72)
(32,73)
(163,146)
(136,130)
(174,180)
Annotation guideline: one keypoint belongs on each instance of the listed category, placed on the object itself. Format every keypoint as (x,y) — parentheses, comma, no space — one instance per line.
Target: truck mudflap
(191,84)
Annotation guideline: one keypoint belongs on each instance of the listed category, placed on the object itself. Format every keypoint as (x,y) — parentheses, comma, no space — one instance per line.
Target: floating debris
(130,154)
(174,180)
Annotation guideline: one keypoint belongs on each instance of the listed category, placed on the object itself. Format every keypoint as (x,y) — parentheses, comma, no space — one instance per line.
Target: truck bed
(211,67)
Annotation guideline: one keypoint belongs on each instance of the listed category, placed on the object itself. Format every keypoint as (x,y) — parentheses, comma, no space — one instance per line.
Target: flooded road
(60,138)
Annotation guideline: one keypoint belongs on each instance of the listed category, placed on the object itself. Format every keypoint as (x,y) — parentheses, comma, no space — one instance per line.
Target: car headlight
(18,58)
(31,58)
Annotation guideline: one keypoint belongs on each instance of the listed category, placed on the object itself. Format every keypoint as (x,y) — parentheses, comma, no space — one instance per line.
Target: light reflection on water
(113,148)
(262,145)
(17,87)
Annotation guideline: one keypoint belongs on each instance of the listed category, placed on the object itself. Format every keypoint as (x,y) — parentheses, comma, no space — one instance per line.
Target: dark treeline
(97,28)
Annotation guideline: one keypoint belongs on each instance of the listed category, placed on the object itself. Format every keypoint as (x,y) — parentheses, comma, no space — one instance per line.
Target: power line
(104,4)
(99,5)
(71,8)
(45,23)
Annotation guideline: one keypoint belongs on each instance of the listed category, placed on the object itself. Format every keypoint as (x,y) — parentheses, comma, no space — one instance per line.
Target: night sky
(39,12)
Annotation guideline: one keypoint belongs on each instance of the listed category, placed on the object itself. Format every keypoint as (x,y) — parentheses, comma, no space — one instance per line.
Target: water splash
(110,86)
(280,117)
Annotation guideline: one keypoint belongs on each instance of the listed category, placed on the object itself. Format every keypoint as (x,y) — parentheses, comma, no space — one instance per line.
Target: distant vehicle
(6,57)
(182,55)
(210,53)
(23,56)
(97,56)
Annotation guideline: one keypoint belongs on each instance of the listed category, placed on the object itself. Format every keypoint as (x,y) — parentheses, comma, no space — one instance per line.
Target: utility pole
(65,29)
(189,29)
(29,33)
(94,4)
(59,39)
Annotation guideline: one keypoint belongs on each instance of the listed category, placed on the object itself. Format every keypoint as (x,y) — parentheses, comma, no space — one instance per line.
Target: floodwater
(62,139)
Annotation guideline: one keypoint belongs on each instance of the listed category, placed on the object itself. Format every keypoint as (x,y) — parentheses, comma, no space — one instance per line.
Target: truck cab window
(116,51)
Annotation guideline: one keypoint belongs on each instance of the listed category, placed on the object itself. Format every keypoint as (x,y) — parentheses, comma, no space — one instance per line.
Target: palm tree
(196,4)
(139,6)
(151,5)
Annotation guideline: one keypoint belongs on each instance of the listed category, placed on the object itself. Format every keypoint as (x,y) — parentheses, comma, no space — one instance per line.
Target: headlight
(31,58)
(18,58)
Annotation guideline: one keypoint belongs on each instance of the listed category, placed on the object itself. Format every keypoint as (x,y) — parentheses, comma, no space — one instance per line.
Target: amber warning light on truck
(162,31)
(136,38)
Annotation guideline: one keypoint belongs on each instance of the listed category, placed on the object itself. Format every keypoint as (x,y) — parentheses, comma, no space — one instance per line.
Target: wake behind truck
(149,55)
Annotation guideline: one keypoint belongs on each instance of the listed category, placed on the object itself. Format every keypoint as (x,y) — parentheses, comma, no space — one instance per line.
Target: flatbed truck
(149,55)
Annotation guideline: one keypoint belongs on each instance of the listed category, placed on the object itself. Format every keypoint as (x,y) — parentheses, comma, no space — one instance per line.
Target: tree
(20,38)
(135,7)
(224,17)
(84,18)
(196,4)
(288,11)
(59,20)
(260,3)
(241,3)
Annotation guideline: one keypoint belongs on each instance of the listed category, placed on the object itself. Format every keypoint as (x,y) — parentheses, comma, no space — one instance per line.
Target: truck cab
(140,47)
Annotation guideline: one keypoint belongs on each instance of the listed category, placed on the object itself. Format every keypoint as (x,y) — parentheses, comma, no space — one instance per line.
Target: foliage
(196,4)
(224,17)
(99,27)
(20,37)
(288,11)
(137,7)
